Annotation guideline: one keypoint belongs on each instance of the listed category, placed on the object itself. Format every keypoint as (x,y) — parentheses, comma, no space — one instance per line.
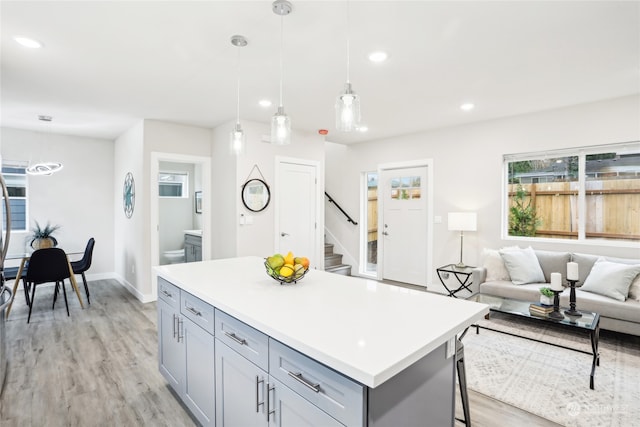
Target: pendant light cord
(281,55)
(348,43)
(238,86)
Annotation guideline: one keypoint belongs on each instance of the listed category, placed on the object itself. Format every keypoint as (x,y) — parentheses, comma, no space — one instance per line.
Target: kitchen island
(329,350)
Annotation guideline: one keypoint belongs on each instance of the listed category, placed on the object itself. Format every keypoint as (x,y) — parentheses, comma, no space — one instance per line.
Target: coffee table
(589,323)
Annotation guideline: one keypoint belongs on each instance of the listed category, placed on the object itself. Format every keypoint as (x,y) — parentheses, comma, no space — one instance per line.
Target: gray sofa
(615,315)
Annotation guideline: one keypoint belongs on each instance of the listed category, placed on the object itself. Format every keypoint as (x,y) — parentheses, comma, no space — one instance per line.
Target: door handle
(283,234)
(384,233)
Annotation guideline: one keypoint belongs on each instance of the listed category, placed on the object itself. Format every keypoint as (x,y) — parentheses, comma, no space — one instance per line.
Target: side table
(462,275)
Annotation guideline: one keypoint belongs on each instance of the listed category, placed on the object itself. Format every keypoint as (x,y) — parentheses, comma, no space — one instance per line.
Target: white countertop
(364,329)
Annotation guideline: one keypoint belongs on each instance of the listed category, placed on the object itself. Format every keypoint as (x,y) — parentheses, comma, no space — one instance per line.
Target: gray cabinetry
(186,350)
(192,248)
(289,409)
(241,389)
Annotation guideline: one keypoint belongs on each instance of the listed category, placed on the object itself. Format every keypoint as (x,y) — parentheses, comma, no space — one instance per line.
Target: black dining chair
(45,266)
(10,274)
(80,266)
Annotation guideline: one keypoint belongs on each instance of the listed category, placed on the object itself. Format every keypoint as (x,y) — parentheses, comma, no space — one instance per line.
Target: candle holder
(572,301)
(555,314)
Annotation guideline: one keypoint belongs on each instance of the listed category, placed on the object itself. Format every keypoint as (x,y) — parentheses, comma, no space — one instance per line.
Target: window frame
(22,166)
(184,185)
(582,153)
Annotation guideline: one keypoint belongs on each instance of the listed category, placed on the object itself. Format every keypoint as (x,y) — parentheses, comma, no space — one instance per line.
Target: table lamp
(462,221)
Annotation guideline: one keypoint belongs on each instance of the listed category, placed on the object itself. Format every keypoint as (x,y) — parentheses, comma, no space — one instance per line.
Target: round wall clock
(129,194)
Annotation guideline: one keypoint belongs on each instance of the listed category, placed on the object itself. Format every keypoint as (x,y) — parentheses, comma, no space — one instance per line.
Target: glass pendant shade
(347,110)
(280,128)
(237,140)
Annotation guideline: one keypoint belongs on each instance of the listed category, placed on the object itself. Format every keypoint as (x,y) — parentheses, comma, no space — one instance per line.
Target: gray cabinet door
(240,390)
(292,410)
(199,389)
(170,351)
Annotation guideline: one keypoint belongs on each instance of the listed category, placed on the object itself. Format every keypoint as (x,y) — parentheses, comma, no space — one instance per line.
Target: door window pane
(371,264)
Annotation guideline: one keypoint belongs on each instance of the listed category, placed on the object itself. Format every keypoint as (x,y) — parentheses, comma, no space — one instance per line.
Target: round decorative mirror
(255,195)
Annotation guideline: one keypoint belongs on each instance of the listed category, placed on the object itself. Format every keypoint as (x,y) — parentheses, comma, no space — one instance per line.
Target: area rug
(553,382)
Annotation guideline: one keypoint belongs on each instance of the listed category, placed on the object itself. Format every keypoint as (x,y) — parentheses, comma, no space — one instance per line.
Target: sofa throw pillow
(493,263)
(553,262)
(523,266)
(611,279)
(634,289)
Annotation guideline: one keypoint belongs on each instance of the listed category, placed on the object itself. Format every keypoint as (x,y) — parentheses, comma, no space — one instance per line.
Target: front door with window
(404,221)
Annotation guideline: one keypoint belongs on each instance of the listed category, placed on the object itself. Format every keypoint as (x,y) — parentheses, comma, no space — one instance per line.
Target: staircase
(333,262)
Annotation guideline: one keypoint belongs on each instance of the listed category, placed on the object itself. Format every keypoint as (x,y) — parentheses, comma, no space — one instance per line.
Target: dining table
(24,258)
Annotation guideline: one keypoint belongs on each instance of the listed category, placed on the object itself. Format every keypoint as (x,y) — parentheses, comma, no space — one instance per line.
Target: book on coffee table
(540,309)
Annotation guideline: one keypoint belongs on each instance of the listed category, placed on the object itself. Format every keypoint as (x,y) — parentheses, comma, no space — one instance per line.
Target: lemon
(287,270)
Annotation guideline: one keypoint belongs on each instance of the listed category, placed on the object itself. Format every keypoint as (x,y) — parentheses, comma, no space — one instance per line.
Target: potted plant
(42,237)
(546,296)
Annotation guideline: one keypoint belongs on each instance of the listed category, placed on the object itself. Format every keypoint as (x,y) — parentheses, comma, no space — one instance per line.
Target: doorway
(298,219)
(405,235)
(199,168)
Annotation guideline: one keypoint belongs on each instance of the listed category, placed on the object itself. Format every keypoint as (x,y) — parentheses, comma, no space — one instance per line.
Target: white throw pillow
(523,266)
(493,263)
(634,289)
(611,279)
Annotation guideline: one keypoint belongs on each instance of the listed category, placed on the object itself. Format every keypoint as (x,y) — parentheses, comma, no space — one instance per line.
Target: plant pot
(43,243)
(545,300)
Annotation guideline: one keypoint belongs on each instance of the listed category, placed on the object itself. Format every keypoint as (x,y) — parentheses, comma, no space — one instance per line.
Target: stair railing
(349,219)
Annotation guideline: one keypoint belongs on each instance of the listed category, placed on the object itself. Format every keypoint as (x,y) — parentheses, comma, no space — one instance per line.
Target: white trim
(428,163)
(154,214)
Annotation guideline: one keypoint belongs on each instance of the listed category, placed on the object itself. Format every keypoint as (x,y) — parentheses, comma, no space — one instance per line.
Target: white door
(296,210)
(404,225)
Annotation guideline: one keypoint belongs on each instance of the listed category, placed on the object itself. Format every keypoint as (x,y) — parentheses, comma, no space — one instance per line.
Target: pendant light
(238,138)
(347,103)
(44,168)
(280,122)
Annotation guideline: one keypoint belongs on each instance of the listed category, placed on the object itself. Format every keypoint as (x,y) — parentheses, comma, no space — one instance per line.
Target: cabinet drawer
(337,395)
(194,240)
(249,342)
(198,311)
(169,293)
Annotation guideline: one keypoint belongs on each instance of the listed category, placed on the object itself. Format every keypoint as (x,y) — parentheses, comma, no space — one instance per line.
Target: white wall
(468,171)
(257,238)
(79,198)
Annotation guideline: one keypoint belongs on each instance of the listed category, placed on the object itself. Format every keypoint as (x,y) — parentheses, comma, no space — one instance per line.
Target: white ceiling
(106,65)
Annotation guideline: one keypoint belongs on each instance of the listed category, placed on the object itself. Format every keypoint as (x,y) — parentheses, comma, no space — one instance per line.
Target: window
(173,184)
(16,179)
(581,194)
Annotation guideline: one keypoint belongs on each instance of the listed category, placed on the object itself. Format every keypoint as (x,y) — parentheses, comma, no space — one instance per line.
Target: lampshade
(237,140)
(347,110)
(280,128)
(462,221)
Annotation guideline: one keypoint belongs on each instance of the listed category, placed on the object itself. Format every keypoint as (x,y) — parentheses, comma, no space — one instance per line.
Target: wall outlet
(133,269)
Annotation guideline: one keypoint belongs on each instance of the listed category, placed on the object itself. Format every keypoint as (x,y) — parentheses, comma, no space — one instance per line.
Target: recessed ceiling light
(27,42)
(467,106)
(362,129)
(378,56)
(264,103)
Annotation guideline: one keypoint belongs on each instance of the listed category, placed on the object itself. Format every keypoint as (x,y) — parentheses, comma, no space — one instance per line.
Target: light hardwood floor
(99,367)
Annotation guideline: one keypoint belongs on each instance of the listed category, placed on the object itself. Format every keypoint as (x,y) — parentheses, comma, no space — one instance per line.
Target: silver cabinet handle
(180,330)
(258,403)
(269,412)
(298,377)
(233,336)
(194,311)
(167,294)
